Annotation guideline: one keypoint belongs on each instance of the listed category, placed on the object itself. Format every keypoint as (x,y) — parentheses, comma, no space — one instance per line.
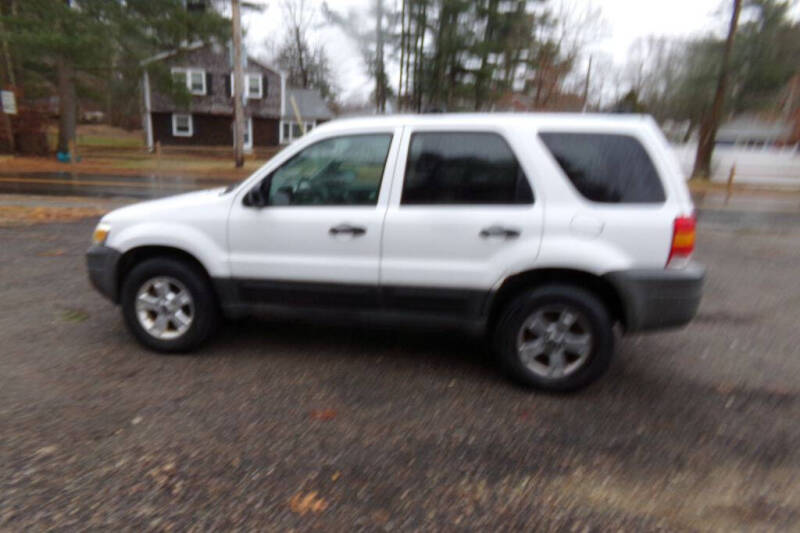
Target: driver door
(317,240)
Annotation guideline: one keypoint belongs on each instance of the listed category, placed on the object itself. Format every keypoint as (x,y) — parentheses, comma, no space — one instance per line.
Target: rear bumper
(102,265)
(658,298)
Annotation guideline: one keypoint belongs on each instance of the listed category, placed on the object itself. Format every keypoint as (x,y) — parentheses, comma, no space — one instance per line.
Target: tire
(554,320)
(190,322)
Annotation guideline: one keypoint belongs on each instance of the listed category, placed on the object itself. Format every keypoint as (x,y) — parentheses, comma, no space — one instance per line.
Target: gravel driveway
(280,426)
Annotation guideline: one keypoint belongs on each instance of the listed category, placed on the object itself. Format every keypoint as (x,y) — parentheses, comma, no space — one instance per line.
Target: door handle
(499,231)
(355,231)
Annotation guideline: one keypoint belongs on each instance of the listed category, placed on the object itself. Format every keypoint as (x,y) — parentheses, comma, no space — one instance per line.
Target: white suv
(542,230)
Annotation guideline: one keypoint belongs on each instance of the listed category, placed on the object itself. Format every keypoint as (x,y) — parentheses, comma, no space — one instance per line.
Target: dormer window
(253,86)
(193,78)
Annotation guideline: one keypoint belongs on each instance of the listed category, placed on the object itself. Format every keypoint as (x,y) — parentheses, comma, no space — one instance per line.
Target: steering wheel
(305,189)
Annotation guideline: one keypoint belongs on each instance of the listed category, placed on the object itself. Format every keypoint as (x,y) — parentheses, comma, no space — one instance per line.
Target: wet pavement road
(744,211)
(280,425)
(97,185)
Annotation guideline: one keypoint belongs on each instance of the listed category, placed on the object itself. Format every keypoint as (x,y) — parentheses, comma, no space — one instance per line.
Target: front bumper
(102,265)
(658,298)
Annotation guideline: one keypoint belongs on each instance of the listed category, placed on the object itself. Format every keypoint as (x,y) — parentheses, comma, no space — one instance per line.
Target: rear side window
(606,168)
(463,169)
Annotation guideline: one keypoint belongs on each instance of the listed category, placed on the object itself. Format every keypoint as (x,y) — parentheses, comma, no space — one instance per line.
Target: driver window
(337,171)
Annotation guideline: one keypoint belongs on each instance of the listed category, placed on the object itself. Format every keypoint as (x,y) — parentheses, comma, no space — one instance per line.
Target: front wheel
(556,338)
(168,305)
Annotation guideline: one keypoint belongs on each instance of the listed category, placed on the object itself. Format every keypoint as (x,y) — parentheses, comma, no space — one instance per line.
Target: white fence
(754,166)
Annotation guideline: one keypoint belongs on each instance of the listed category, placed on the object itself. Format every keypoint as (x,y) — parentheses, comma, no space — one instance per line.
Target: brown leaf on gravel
(52,253)
(74,315)
(381,516)
(163,477)
(302,504)
(46,450)
(725,388)
(323,414)
(177,488)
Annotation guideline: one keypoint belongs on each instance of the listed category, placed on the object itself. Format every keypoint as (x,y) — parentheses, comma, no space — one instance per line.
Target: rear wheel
(556,338)
(168,305)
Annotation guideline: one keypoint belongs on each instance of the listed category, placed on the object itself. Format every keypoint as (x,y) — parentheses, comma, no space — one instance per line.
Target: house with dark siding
(207,71)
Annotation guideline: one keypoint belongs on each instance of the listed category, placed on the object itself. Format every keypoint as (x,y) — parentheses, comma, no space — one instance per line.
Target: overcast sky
(625,21)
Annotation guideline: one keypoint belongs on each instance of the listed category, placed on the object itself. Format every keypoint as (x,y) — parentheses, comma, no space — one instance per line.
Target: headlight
(101,233)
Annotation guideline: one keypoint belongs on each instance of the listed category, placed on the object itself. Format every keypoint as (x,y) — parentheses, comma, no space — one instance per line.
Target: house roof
(169,53)
(196,45)
(309,103)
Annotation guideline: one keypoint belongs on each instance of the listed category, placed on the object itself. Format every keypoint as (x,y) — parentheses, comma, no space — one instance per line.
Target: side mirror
(258,196)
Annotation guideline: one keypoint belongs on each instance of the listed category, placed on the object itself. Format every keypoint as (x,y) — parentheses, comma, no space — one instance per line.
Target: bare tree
(306,65)
(298,18)
(708,129)
(565,33)
(357,24)
(380,76)
(402,53)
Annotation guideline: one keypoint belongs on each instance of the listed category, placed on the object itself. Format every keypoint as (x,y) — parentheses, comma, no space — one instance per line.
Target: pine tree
(71,48)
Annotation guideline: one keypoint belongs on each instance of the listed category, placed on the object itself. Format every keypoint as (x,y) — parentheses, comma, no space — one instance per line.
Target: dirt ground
(293,426)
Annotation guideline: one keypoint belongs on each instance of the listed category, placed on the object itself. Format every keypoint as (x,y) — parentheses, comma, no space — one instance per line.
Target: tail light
(682,241)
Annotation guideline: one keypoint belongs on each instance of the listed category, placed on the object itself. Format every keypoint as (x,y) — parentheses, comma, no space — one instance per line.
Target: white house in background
(753,131)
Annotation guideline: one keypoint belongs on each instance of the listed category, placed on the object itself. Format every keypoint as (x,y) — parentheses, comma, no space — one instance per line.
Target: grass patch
(98,136)
(74,315)
(109,142)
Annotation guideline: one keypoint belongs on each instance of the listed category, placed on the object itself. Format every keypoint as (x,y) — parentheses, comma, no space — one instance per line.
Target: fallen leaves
(164,477)
(323,414)
(20,215)
(58,252)
(74,315)
(302,504)
(46,450)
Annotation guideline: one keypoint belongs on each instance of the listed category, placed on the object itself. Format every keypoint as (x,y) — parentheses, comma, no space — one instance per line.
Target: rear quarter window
(607,168)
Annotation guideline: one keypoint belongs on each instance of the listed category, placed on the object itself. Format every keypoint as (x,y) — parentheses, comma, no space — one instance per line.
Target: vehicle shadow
(462,352)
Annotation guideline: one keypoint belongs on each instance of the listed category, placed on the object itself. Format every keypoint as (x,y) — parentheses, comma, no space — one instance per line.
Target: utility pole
(586,86)
(402,54)
(7,82)
(238,88)
(380,96)
(708,128)
(67,101)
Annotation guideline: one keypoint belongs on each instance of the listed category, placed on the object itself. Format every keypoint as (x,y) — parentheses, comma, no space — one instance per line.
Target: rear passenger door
(463,213)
